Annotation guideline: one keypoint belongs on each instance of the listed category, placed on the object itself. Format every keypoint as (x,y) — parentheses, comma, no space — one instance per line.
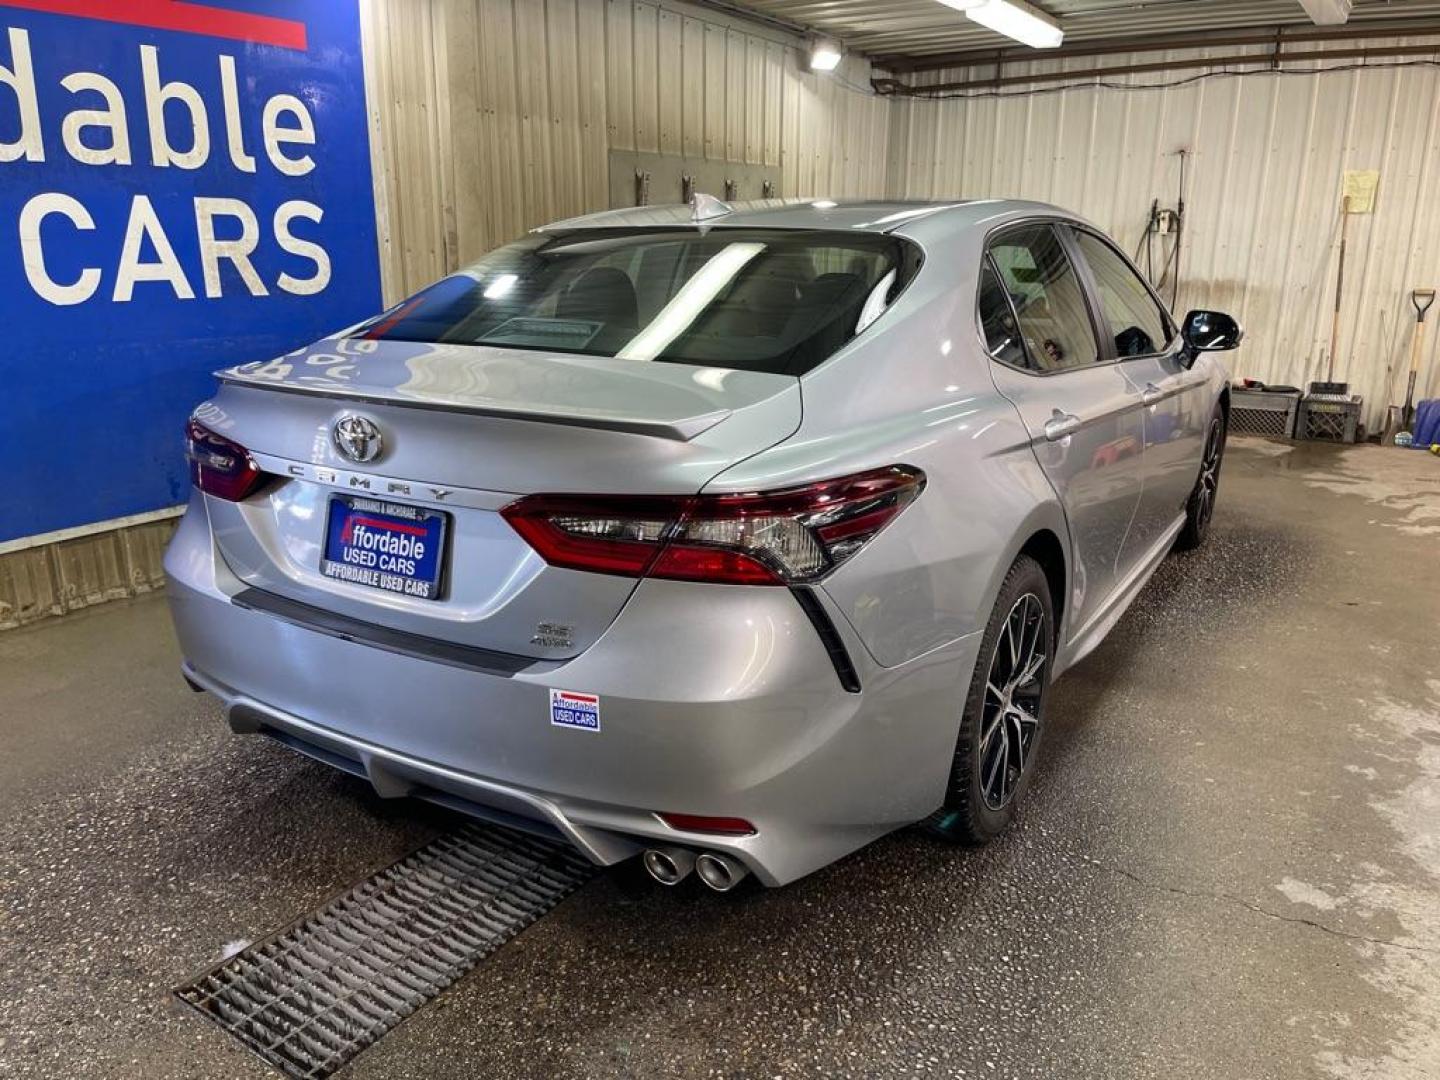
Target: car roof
(864,215)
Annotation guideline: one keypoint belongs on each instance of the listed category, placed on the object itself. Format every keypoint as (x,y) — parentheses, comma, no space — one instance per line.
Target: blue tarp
(1427,424)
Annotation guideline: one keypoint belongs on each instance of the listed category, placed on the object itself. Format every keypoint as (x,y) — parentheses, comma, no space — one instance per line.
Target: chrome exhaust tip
(721,872)
(669,865)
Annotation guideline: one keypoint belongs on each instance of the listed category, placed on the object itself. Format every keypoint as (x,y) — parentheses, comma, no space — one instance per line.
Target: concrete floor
(1229,865)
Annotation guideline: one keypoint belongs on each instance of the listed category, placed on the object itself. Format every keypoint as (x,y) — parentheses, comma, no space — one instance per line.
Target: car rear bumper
(739,714)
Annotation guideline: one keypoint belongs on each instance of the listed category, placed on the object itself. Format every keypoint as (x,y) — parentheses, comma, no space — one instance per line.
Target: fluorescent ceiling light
(1326,12)
(905,215)
(693,298)
(1016,19)
(500,286)
(824,55)
(876,302)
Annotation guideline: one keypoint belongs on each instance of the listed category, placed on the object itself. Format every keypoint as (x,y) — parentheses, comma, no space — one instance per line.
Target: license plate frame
(397,528)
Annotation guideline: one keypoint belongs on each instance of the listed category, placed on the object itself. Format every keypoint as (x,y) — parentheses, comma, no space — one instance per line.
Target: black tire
(972,814)
(1200,507)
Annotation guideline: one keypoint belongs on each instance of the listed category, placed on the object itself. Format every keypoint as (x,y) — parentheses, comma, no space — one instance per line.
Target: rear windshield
(770,300)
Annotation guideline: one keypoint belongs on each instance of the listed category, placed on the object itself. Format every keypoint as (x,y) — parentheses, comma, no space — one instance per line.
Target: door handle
(1151,394)
(1061,424)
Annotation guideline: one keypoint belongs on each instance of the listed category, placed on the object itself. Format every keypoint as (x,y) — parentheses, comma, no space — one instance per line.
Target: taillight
(220,466)
(777,538)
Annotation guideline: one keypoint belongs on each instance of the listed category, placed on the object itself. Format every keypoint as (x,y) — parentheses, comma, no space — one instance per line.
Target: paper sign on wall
(1360,187)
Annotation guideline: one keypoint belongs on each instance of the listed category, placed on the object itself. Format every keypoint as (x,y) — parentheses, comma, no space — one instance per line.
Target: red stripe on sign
(393,526)
(389,324)
(178,15)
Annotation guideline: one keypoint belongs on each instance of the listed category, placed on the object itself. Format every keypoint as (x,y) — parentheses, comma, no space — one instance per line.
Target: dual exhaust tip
(672,865)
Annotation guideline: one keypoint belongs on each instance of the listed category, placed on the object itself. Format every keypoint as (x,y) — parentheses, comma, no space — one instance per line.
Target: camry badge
(357,438)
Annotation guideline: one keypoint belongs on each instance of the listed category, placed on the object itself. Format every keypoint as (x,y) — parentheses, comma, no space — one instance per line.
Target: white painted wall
(492,116)
(1263,202)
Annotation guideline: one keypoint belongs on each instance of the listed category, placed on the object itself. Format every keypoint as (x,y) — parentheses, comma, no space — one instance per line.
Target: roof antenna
(704,207)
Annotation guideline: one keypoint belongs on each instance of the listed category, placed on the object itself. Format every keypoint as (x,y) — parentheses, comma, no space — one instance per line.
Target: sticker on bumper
(572,710)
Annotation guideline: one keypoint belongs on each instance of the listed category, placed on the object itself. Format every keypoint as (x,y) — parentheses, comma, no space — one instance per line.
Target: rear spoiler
(680,429)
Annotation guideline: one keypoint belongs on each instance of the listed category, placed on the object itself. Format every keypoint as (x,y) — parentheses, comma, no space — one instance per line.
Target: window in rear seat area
(771,300)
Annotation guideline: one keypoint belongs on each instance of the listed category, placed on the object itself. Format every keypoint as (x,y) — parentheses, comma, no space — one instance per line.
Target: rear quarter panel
(916,389)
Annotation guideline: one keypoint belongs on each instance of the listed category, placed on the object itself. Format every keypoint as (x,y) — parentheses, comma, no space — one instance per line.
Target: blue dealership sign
(183,187)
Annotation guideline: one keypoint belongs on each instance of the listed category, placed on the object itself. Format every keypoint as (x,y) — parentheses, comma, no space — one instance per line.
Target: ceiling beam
(1083,76)
(1399,28)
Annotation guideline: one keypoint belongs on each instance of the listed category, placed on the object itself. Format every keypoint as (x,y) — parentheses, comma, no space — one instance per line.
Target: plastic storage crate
(1329,417)
(1264,412)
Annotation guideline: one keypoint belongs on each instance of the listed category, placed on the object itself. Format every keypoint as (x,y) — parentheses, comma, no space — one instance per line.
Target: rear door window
(1047,296)
(1136,320)
(997,320)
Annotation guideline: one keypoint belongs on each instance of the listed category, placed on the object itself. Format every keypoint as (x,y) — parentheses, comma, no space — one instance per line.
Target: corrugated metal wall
(1264,174)
(494,116)
(42,580)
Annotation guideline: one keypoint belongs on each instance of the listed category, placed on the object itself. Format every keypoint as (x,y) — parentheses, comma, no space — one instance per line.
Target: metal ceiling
(907,29)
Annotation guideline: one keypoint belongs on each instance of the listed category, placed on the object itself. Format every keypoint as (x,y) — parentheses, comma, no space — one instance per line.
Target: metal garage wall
(494,116)
(65,575)
(1263,194)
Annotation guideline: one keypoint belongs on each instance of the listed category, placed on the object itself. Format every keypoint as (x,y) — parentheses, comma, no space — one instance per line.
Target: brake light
(777,538)
(220,466)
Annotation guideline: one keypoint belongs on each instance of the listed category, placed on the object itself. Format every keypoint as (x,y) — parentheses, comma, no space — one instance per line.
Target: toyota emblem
(357,439)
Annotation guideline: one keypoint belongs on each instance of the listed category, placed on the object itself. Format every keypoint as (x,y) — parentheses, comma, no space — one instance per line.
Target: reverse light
(220,466)
(776,538)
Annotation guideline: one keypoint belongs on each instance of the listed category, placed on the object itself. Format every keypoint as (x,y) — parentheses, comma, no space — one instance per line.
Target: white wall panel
(1267,156)
(495,116)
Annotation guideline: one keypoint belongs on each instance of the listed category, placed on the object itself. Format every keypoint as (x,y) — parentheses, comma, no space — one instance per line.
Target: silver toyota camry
(735,537)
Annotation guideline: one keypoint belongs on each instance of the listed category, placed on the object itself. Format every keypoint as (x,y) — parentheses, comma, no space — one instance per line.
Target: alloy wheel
(1209,475)
(1010,715)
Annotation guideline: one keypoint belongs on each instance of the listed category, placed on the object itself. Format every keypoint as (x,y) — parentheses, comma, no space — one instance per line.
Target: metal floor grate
(313,996)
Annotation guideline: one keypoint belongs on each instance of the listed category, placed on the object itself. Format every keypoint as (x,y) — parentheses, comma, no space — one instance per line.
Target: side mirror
(1209,331)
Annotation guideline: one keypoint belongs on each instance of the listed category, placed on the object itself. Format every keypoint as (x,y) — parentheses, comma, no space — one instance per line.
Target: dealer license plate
(385,545)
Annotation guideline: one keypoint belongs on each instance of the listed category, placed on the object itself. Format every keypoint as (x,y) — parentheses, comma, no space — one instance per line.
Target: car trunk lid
(464,431)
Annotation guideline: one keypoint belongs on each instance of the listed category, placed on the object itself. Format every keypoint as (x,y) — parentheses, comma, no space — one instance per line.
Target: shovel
(1422,299)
